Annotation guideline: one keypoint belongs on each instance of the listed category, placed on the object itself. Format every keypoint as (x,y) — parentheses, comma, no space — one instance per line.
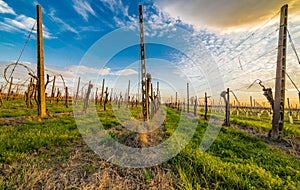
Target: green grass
(17,107)
(265,125)
(17,142)
(235,161)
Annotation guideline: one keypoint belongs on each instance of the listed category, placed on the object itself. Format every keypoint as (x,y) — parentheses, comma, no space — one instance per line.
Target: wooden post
(17,95)
(227,110)
(10,87)
(120,99)
(151,92)
(205,101)
(188,98)
(106,98)
(158,93)
(102,92)
(1,100)
(290,111)
(40,65)
(148,91)
(278,114)
(86,101)
(128,94)
(176,100)
(58,96)
(29,94)
(53,89)
(66,98)
(77,91)
(111,94)
(195,107)
(251,104)
(96,97)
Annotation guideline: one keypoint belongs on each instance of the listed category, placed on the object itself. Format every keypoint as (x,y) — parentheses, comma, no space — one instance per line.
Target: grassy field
(48,148)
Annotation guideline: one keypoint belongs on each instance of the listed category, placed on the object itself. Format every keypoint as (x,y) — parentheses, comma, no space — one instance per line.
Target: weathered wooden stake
(176,100)
(58,95)
(128,95)
(278,114)
(66,97)
(227,111)
(96,97)
(111,94)
(205,101)
(188,98)
(53,89)
(10,87)
(102,92)
(86,101)
(106,98)
(251,103)
(195,107)
(40,65)
(77,91)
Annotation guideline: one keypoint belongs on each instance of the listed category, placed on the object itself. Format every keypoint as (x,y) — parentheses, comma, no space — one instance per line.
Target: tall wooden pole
(145,91)
(40,65)
(278,114)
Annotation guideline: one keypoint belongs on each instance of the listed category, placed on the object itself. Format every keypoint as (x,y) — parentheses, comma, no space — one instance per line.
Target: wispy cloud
(64,25)
(83,8)
(5,8)
(88,70)
(126,72)
(157,23)
(84,70)
(23,23)
(113,5)
(7,27)
(120,12)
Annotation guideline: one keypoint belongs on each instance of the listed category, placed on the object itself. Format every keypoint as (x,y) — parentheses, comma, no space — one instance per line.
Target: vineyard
(96,135)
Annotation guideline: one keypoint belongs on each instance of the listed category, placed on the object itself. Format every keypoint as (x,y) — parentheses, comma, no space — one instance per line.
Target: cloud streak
(126,72)
(83,8)
(64,25)
(5,9)
(23,23)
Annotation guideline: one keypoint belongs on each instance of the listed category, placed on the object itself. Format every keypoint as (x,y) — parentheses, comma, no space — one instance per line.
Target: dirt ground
(75,166)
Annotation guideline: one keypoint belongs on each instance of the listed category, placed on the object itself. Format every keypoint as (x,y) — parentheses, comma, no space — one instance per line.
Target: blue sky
(187,41)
